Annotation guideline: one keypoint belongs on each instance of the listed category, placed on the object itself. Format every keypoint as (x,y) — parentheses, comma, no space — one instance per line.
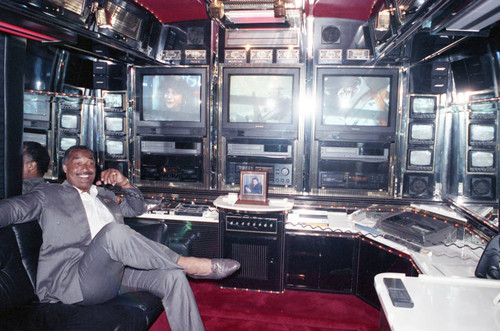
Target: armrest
(151,229)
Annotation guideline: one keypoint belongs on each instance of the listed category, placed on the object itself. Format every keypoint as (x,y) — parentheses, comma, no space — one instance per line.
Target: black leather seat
(19,306)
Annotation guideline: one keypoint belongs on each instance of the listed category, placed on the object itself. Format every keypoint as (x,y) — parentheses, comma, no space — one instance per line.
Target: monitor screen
(114,124)
(421,132)
(423,106)
(261,98)
(355,100)
(171,98)
(260,101)
(40,138)
(70,121)
(113,100)
(482,102)
(40,67)
(481,159)
(36,105)
(67,142)
(420,158)
(356,104)
(115,147)
(482,133)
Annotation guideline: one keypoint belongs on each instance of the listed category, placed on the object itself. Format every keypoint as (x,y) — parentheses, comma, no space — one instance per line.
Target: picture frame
(253,187)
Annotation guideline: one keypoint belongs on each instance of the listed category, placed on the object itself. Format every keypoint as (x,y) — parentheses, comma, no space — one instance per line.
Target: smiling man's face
(80,169)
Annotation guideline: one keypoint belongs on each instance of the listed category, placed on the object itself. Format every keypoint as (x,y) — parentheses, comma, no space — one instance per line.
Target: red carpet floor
(227,309)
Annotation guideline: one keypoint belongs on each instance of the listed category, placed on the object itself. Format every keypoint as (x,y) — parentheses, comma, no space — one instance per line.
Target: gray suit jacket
(66,233)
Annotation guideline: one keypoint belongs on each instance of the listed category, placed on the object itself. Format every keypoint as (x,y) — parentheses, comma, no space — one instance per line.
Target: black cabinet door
(325,263)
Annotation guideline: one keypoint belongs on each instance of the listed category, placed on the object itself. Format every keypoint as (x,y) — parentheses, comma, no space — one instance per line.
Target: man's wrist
(126,184)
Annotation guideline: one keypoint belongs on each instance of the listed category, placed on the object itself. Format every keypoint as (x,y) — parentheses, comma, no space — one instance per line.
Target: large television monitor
(40,67)
(171,101)
(260,102)
(356,104)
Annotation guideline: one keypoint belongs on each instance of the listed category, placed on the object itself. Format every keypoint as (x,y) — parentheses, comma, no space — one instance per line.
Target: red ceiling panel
(349,9)
(169,11)
(176,10)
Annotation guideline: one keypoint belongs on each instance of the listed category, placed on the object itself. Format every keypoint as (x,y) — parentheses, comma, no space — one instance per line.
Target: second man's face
(80,169)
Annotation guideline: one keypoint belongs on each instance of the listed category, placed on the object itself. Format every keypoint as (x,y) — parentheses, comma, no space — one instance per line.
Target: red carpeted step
(229,309)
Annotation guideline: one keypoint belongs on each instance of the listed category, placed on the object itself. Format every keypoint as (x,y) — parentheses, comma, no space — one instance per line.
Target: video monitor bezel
(176,128)
(414,114)
(414,167)
(67,137)
(480,142)
(78,122)
(356,132)
(475,169)
(414,141)
(115,155)
(43,141)
(114,109)
(113,132)
(47,103)
(261,129)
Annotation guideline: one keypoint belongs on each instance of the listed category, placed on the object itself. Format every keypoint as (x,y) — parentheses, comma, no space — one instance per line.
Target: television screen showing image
(67,142)
(261,98)
(482,134)
(115,147)
(114,124)
(355,100)
(70,121)
(423,106)
(171,98)
(113,100)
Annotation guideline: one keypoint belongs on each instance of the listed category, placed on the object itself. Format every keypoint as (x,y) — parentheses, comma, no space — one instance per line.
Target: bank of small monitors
(418,179)
(115,127)
(481,159)
(71,104)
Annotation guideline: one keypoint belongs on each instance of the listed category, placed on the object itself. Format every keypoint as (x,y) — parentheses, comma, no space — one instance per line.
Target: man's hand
(114,177)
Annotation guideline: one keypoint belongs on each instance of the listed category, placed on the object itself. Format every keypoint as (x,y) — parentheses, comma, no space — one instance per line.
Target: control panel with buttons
(248,223)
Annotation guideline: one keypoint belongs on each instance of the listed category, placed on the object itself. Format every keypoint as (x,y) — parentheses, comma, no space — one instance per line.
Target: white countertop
(443,303)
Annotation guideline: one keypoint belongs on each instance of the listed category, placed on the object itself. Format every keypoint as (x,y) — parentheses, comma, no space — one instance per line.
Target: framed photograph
(253,187)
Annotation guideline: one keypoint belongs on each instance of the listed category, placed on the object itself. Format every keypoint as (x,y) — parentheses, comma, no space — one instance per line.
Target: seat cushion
(125,312)
(15,286)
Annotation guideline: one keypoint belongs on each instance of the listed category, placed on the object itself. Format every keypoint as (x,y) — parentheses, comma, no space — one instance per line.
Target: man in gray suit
(88,255)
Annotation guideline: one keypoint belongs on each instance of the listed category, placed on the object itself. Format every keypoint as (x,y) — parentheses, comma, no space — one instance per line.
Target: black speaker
(418,185)
(257,242)
(330,34)
(481,187)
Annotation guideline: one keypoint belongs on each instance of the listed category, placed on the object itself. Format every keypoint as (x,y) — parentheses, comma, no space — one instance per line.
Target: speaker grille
(255,259)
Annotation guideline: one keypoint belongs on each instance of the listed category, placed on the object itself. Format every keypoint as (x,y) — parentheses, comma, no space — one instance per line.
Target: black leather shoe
(221,268)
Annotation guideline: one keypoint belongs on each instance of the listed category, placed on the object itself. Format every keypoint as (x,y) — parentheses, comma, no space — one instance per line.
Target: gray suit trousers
(120,259)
